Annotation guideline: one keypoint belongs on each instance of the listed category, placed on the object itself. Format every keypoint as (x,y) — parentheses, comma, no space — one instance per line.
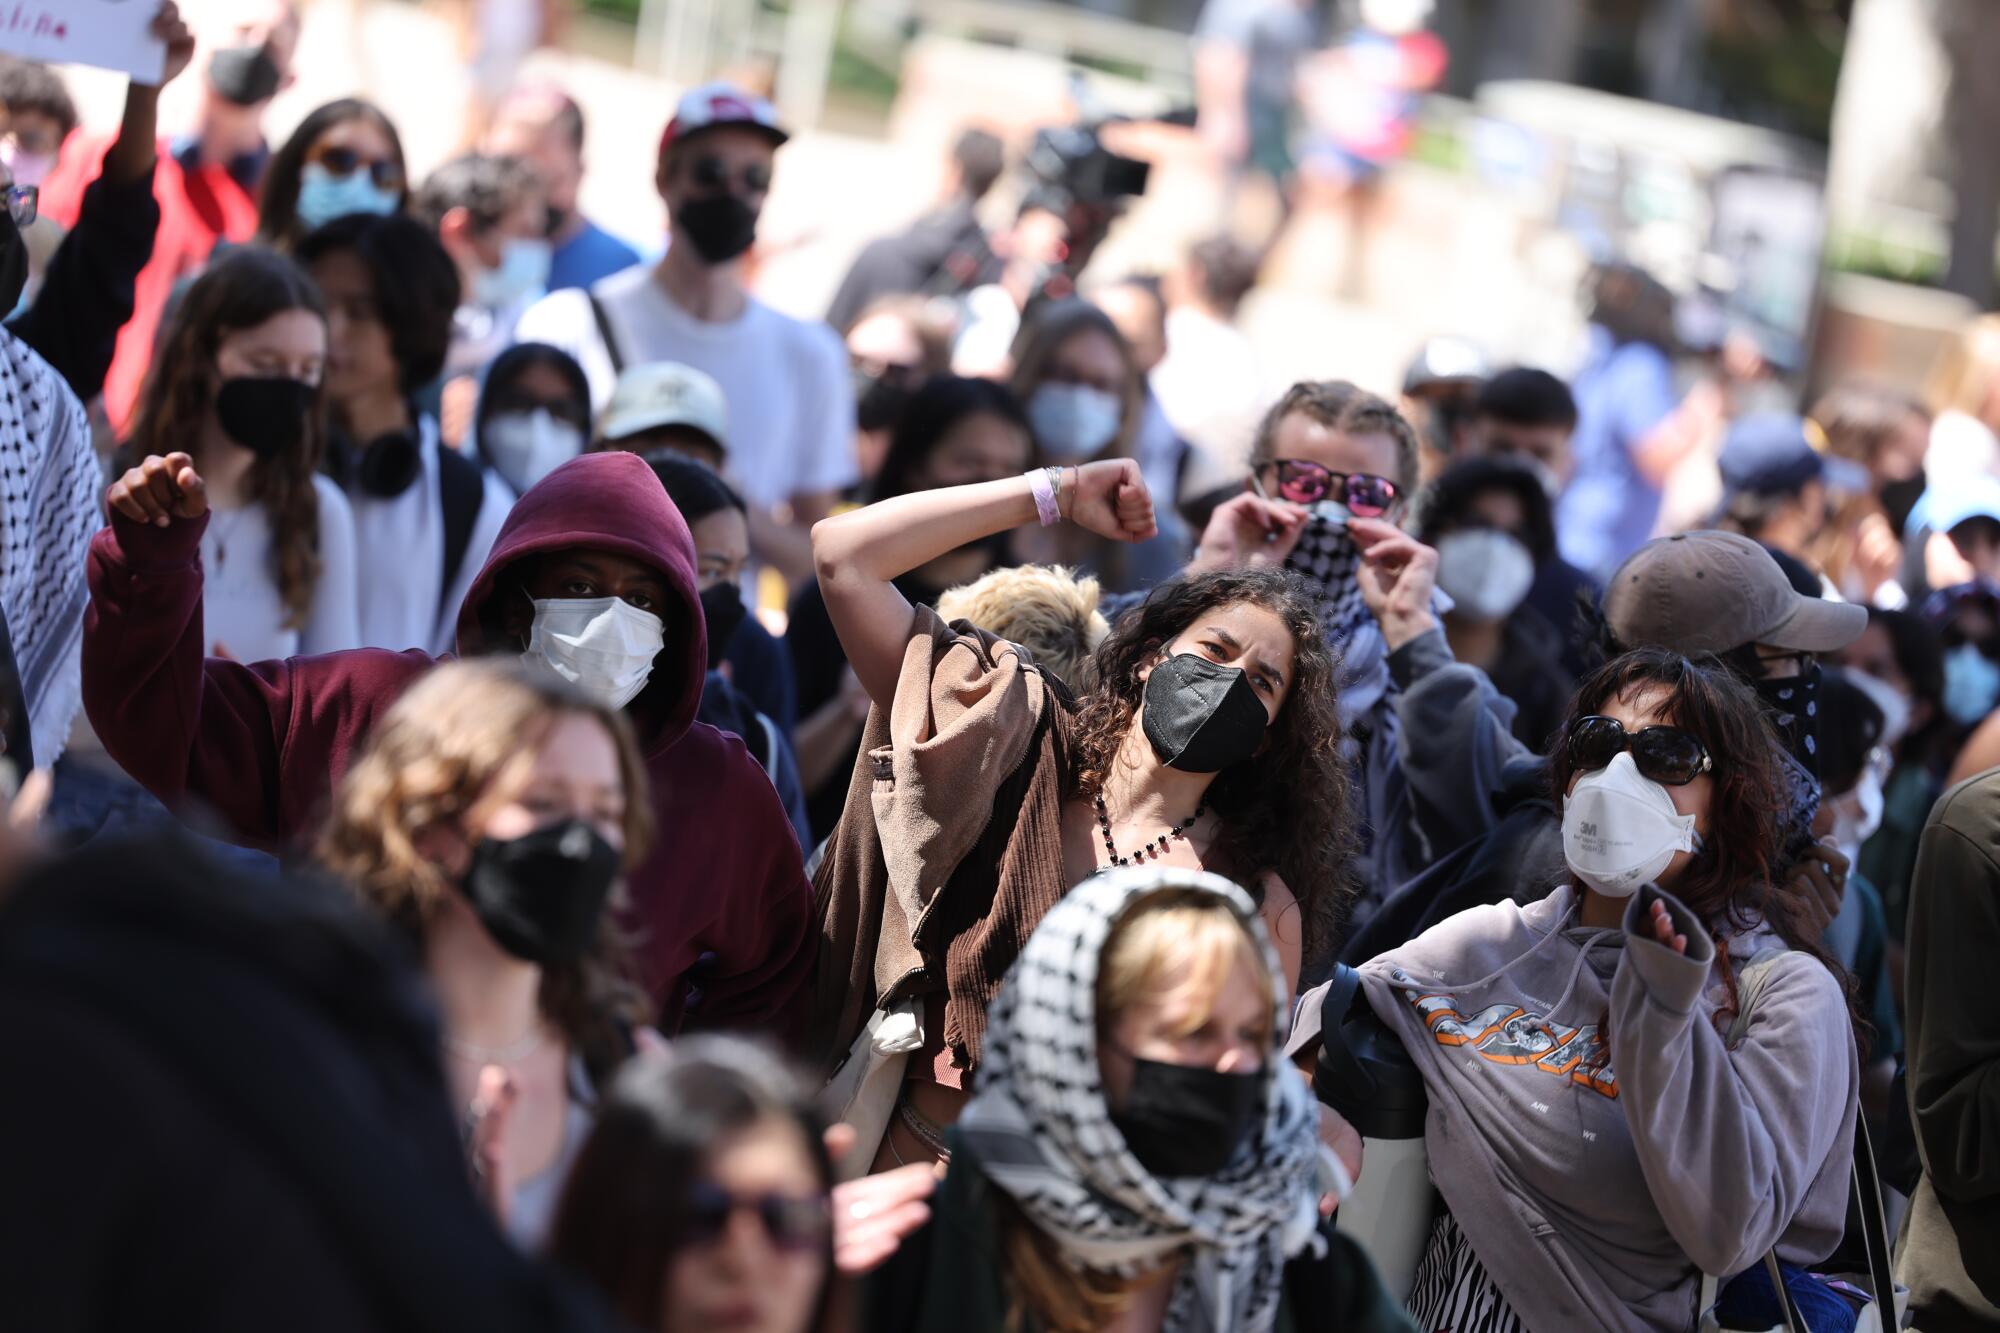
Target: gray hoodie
(1597,1184)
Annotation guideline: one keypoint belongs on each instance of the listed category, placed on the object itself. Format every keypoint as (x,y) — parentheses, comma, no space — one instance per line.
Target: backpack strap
(461,492)
(604,333)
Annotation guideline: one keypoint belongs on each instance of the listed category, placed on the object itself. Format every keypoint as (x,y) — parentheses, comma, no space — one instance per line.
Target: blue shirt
(1623,391)
(587,257)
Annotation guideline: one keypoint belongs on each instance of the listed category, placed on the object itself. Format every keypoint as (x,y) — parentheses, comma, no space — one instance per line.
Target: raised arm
(858,553)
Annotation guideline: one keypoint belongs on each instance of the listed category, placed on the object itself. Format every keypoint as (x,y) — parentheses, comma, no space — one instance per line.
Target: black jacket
(88,291)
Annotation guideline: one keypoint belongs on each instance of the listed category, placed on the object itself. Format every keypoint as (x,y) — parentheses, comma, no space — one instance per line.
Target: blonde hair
(1046,609)
(1173,942)
(441,752)
(1966,377)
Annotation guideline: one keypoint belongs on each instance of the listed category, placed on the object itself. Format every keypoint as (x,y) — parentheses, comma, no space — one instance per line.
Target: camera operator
(1077,189)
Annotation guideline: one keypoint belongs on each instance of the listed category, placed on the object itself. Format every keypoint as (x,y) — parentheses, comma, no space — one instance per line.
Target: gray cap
(1709,592)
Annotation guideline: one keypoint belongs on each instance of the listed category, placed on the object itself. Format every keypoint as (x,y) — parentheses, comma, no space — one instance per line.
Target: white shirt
(786,382)
(400,541)
(242,613)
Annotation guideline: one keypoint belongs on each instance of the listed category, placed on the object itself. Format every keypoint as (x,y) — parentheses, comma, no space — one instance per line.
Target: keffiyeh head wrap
(1042,1132)
(49,484)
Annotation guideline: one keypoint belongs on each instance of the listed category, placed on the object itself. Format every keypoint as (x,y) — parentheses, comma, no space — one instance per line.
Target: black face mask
(541,896)
(718,226)
(13,264)
(266,415)
(878,401)
(722,607)
(1202,717)
(1900,497)
(1184,1120)
(245,75)
(1796,701)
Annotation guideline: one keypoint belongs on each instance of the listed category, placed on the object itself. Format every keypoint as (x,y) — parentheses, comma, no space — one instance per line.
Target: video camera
(1070,165)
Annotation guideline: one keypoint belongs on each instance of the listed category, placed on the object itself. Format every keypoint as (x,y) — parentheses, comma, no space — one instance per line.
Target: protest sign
(110,34)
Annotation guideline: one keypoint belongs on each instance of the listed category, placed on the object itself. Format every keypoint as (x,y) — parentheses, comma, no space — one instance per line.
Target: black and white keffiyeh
(1327,556)
(1042,1132)
(49,484)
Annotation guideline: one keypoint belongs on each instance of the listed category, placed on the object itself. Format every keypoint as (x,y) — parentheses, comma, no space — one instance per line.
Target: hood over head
(607,502)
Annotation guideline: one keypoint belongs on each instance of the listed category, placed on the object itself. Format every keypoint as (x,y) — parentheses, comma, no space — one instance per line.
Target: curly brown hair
(1734,879)
(240,290)
(429,764)
(1285,808)
(1348,408)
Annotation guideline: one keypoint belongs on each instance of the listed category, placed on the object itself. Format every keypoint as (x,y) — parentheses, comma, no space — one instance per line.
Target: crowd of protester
(548,793)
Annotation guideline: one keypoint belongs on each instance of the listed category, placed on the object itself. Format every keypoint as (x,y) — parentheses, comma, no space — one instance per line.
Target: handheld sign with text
(110,34)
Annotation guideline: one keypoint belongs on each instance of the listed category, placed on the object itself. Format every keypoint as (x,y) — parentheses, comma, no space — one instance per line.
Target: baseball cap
(665,393)
(1709,592)
(1775,453)
(1973,497)
(717,104)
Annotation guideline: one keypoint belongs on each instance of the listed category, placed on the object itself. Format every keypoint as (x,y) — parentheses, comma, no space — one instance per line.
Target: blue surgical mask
(324,196)
(1074,422)
(1971,684)
(523,272)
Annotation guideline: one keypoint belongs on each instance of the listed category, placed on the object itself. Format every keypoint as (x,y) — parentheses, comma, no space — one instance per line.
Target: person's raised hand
(171,29)
(160,490)
(1110,499)
(1249,531)
(492,1107)
(1663,928)
(872,1216)
(1819,881)
(1397,575)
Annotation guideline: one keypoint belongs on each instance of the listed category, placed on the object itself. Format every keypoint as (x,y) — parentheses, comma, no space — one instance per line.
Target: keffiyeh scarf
(1328,557)
(49,482)
(1042,1132)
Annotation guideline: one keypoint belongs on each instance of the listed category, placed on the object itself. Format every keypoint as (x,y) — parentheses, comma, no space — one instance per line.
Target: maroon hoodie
(264,743)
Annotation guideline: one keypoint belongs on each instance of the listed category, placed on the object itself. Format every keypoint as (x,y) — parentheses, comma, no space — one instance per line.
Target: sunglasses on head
(345,162)
(791,1222)
(712,173)
(1666,755)
(1305,482)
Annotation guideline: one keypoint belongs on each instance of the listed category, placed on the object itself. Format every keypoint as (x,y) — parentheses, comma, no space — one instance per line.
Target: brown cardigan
(949,850)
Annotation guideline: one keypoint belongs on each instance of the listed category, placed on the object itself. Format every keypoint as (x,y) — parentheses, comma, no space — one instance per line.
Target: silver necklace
(498,1055)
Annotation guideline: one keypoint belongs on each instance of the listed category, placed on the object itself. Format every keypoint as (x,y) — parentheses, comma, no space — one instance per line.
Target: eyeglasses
(562,409)
(1305,482)
(1784,664)
(1666,755)
(24,204)
(341,161)
(712,173)
(792,1222)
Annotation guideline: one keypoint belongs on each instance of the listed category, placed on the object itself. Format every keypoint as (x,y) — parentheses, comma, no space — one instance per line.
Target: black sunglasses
(1305,482)
(712,173)
(340,161)
(1666,755)
(792,1222)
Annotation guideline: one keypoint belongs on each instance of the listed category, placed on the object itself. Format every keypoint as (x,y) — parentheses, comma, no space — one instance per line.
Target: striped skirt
(1451,1292)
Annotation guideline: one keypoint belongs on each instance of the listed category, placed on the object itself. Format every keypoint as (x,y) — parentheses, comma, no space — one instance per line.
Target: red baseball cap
(717,104)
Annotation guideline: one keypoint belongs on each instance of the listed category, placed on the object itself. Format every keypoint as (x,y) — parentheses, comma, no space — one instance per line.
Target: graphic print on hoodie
(1598,1143)
(263,744)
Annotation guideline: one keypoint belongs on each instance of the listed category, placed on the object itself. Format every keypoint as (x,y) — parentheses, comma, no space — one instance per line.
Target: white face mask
(1895,705)
(1620,829)
(1485,572)
(524,447)
(1073,422)
(1857,813)
(602,645)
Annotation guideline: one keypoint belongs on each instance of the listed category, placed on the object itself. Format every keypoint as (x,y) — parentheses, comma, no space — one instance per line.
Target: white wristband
(1042,481)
